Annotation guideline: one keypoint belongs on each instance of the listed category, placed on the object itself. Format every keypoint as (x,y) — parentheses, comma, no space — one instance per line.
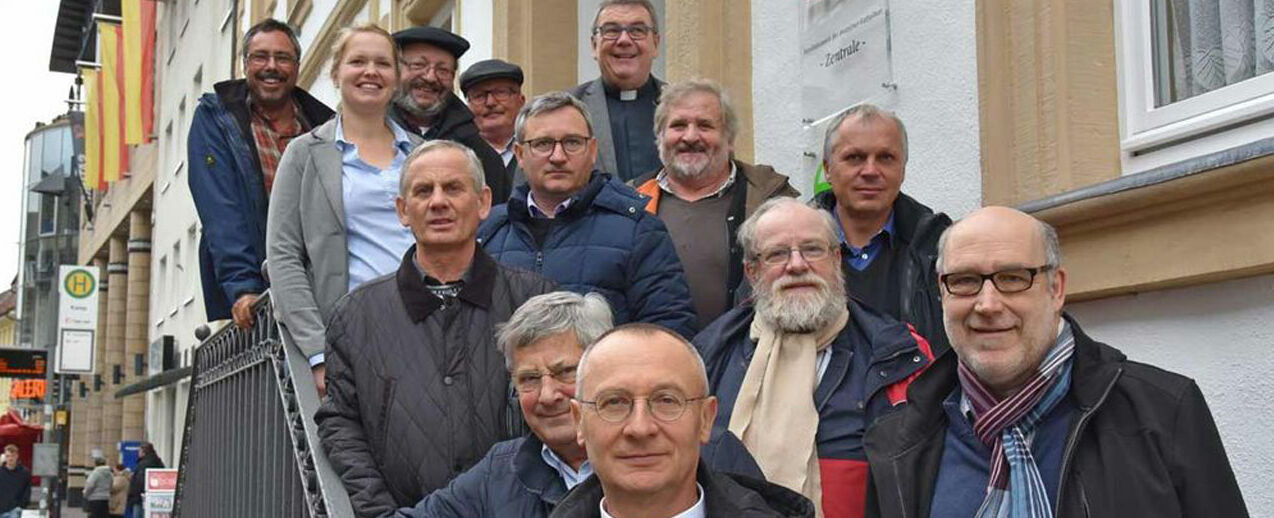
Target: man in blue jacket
(583,229)
(236,138)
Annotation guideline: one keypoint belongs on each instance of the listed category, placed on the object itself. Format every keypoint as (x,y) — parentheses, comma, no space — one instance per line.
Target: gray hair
(747,231)
(862,113)
(271,25)
(587,317)
(643,329)
(549,102)
(475,165)
(1048,234)
(645,4)
(675,92)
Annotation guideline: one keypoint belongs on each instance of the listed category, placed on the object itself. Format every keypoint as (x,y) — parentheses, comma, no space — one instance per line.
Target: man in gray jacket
(417,391)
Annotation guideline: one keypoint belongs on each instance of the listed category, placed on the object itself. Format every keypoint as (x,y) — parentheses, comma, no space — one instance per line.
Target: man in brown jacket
(700,182)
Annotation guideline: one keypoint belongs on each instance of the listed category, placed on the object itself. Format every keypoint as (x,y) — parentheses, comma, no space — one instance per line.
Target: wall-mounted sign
(844,55)
(77,319)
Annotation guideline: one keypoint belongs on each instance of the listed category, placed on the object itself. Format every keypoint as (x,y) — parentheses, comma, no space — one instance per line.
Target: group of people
(114,491)
(585,304)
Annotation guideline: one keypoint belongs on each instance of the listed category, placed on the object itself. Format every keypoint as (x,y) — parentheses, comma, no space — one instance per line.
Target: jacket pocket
(381,433)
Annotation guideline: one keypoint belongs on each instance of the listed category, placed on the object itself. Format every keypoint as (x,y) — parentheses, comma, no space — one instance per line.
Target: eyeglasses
(441,71)
(261,59)
(1012,280)
(499,94)
(611,31)
(782,254)
(531,381)
(664,406)
(571,144)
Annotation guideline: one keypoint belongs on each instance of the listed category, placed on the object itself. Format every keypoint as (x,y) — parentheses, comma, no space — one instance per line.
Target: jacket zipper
(539,261)
(1073,441)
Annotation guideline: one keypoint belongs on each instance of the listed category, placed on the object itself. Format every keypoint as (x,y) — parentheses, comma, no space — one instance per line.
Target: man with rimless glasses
(1032,418)
(642,410)
(581,228)
(803,370)
(625,40)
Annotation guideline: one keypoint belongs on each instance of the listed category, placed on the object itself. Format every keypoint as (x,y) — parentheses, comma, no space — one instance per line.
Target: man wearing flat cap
(493,89)
(426,104)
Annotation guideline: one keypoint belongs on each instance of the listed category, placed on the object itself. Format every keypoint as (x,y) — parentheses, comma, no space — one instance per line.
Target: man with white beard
(703,193)
(803,370)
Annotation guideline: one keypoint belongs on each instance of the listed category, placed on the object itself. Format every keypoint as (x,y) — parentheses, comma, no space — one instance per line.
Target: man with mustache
(803,370)
(703,188)
(237,135)
(622,101)
(889,240)
(425,103)
(1033,418)
(493,89)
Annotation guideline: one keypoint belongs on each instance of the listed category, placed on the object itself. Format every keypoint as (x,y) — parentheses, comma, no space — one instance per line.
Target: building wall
(193,52)
(8,331)
(1216,334)
(935,66)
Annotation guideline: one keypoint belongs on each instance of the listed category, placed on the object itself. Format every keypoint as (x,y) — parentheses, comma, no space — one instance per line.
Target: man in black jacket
(426,105)
(416,389)
(888,239)
(146,459)
(1030,413)
(15,483)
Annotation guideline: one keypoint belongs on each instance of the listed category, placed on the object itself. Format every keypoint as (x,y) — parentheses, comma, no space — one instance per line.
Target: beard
(691,169)
(801,313)
(418,111)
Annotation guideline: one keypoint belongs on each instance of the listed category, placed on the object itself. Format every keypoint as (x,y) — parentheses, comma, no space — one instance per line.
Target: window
(1189,71)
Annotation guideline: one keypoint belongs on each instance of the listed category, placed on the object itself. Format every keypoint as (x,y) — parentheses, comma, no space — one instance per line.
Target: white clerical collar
(628,95)
(695,511)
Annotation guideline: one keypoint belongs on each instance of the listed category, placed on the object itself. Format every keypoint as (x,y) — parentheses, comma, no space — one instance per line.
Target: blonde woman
(332,224)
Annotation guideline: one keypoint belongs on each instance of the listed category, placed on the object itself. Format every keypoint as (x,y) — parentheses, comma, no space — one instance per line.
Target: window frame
(1152,136)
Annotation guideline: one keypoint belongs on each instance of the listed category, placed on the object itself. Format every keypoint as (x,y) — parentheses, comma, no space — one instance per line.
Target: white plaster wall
(1219,335)
(476,19)
(934,54)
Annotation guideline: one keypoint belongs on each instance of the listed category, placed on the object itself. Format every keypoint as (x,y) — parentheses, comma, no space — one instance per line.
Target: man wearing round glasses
(584,229)
(625,40)
(1030,414)
(426,105)
(642,410)
(803,370)
(493,89)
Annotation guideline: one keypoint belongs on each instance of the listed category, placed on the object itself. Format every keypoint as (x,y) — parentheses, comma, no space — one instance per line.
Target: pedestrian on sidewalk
(97,490)
(15,484)
(119,491)
(146,459)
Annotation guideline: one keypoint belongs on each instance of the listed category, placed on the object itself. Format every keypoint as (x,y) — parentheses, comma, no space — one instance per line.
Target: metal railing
(251,447)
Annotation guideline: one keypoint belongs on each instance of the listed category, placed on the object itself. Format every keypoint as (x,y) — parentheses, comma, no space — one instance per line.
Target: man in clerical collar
(625,39)
(642,409)
(401,420)
(889,240)
(426,105)
(703,193)
(528,476)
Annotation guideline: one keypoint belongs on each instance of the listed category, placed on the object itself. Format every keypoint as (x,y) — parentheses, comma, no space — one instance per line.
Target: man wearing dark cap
(494,91)
(426,104)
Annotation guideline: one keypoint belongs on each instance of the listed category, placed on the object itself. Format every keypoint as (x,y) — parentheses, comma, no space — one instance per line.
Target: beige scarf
(774,414)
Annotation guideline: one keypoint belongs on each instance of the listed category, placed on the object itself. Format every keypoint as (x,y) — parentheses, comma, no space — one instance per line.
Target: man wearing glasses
(803,370)
(622,101)
(425,102)
(526,477)
(1031,417)
(237,135)
(581,228)
(493,89)
(642,409)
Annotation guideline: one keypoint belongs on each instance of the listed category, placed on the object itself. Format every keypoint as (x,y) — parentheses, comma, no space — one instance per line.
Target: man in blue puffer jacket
(583,229)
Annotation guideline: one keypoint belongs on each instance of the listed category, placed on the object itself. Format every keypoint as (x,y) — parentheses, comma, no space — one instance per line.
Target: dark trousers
(99,508)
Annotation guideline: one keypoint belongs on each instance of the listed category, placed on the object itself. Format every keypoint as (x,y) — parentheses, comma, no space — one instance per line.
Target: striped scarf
(1015,489)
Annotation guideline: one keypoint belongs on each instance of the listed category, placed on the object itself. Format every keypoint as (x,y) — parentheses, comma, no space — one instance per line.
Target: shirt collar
(479,281)
(535,209)
(401,139)
(696,511)
(887,230)
(666,185)
(570,477)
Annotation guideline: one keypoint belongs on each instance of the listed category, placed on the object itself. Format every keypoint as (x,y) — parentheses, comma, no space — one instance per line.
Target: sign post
(77,319)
